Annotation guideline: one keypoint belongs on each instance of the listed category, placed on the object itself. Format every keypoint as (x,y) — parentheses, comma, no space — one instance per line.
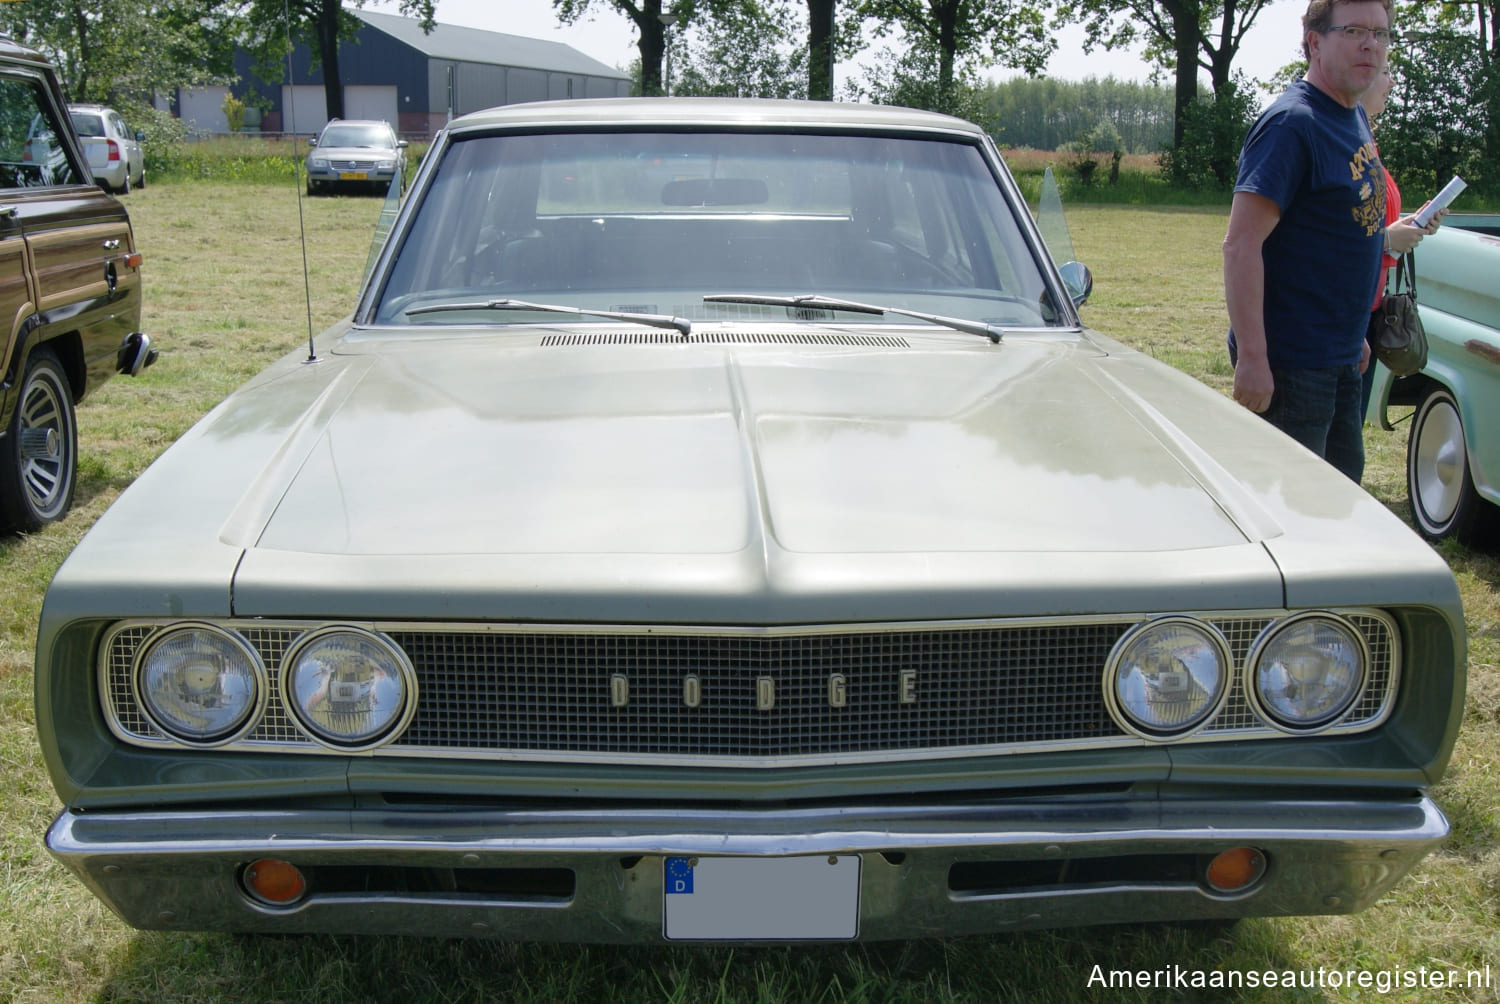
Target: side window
(32,153)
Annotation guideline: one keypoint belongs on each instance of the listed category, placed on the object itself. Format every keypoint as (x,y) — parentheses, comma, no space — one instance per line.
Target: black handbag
(1399,340)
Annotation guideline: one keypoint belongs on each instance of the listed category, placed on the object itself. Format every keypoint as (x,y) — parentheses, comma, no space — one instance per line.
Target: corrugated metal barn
(395,72)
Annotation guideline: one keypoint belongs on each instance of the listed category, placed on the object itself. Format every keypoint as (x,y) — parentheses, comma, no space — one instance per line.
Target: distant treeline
(1048,114)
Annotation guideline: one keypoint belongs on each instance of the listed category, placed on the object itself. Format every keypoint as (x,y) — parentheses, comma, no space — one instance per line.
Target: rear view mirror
(714,192)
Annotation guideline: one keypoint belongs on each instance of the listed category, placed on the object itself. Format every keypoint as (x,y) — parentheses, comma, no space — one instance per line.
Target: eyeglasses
(1358,33)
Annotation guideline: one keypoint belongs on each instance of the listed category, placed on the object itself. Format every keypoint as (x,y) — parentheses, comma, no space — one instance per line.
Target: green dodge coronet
(713,522)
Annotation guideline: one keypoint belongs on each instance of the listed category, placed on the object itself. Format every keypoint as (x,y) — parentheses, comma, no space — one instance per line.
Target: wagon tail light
(114,151)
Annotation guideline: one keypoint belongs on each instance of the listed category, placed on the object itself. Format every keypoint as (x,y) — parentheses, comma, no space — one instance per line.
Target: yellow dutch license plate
(351,175)
(812,898)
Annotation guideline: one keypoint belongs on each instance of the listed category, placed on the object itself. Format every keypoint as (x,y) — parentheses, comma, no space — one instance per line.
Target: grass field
(224,297)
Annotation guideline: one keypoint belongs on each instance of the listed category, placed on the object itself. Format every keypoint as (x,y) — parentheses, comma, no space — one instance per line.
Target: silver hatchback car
(355,152)
(113,149)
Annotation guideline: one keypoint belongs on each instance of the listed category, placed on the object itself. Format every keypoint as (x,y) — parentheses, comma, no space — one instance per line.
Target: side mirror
(313,141)
(1078,281)
(402,143)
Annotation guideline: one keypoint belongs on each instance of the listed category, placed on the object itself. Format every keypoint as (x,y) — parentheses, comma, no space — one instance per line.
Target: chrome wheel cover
(1438,463)
(46,443)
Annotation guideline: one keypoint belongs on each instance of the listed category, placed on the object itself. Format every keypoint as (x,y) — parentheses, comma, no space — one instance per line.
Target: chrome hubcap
(44,433)
(1440,460)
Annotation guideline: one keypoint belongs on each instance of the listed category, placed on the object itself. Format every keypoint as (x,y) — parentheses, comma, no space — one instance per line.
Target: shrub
(1214,129)
(234,112)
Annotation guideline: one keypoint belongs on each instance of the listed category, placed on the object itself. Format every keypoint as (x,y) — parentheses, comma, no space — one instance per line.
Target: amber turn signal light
(1235,870)
(134,259)
(277,882)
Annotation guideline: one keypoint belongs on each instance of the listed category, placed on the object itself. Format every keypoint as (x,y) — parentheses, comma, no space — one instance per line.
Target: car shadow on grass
(1049,966)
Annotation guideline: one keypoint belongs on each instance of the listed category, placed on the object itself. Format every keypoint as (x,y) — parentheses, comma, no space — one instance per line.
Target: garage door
(371,102)
(306,109)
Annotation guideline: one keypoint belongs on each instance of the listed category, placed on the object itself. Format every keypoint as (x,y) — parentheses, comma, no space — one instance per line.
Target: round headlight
(1167,677)
(1306,671)
(349,688)
(201,685)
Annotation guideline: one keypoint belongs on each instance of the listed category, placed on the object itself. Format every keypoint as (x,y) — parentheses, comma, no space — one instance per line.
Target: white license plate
(761,899)
(351,175)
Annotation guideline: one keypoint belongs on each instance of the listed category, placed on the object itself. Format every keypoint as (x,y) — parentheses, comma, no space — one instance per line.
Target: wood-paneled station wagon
(70,292)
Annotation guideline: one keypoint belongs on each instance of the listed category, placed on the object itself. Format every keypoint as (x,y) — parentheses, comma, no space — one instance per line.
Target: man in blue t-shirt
(1306,230)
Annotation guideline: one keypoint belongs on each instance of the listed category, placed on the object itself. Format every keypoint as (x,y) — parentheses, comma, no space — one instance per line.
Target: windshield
(653,222)
(357,135)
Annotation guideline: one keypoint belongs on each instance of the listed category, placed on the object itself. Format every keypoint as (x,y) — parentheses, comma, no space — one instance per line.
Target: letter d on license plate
(761,899)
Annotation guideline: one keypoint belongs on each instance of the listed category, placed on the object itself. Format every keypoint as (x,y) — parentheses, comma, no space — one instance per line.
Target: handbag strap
(1406,267)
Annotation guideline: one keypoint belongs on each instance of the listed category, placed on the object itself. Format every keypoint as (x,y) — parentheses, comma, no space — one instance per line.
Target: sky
(610,37)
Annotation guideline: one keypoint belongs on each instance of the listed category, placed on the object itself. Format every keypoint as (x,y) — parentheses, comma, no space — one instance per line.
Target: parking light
(1235,870)
(277,882)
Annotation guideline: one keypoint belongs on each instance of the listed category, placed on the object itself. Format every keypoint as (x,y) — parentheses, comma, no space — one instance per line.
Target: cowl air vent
(724,338)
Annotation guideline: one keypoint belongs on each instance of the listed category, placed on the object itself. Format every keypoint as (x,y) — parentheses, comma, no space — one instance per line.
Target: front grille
(908,692)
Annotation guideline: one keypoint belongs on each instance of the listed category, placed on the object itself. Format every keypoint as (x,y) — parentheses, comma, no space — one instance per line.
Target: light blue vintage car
(1453,446)
(714,522)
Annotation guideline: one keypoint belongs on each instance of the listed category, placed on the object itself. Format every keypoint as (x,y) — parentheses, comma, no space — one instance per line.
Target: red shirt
(1392,214)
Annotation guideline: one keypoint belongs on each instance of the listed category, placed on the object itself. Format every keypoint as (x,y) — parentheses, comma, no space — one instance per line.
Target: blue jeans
(1319,408)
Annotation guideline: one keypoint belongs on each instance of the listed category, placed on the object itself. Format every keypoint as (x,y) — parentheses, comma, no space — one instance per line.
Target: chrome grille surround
(544,692)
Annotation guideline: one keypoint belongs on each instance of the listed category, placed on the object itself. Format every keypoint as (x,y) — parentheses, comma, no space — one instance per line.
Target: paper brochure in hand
(1440,201)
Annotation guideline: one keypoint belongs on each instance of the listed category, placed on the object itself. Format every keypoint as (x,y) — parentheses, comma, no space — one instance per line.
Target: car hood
(476,474)
(479,449)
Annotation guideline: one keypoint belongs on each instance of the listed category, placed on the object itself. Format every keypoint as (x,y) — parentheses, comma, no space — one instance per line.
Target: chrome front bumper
(494,873)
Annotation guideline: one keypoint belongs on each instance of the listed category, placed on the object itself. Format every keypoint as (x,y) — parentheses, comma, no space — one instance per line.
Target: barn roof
(494,48)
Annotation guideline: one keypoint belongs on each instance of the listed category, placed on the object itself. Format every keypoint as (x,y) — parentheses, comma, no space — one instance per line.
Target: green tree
(126,54)
(1183,35)
(321,25)
(648,18)
(1440,118)
(750,50)
(821,36)
(956,33)
(1044,113)
(1207,154)
(909,77)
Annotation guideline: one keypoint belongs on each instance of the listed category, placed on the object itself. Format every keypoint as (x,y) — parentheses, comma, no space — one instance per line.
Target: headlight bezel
(1251,679)
(299,717)
(255,709)
(1116,706)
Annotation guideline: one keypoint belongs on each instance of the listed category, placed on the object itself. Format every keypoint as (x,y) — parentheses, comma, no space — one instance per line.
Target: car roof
(11,49)
(675,113)
(356,122)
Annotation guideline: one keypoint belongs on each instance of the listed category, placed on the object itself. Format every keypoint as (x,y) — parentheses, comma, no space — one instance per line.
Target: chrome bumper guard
(184,870)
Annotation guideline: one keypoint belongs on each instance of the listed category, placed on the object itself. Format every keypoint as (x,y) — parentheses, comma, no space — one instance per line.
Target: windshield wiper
(681,324)
(814,301)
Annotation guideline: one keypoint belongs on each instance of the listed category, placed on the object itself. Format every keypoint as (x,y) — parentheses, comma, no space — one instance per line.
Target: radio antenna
(291,114)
